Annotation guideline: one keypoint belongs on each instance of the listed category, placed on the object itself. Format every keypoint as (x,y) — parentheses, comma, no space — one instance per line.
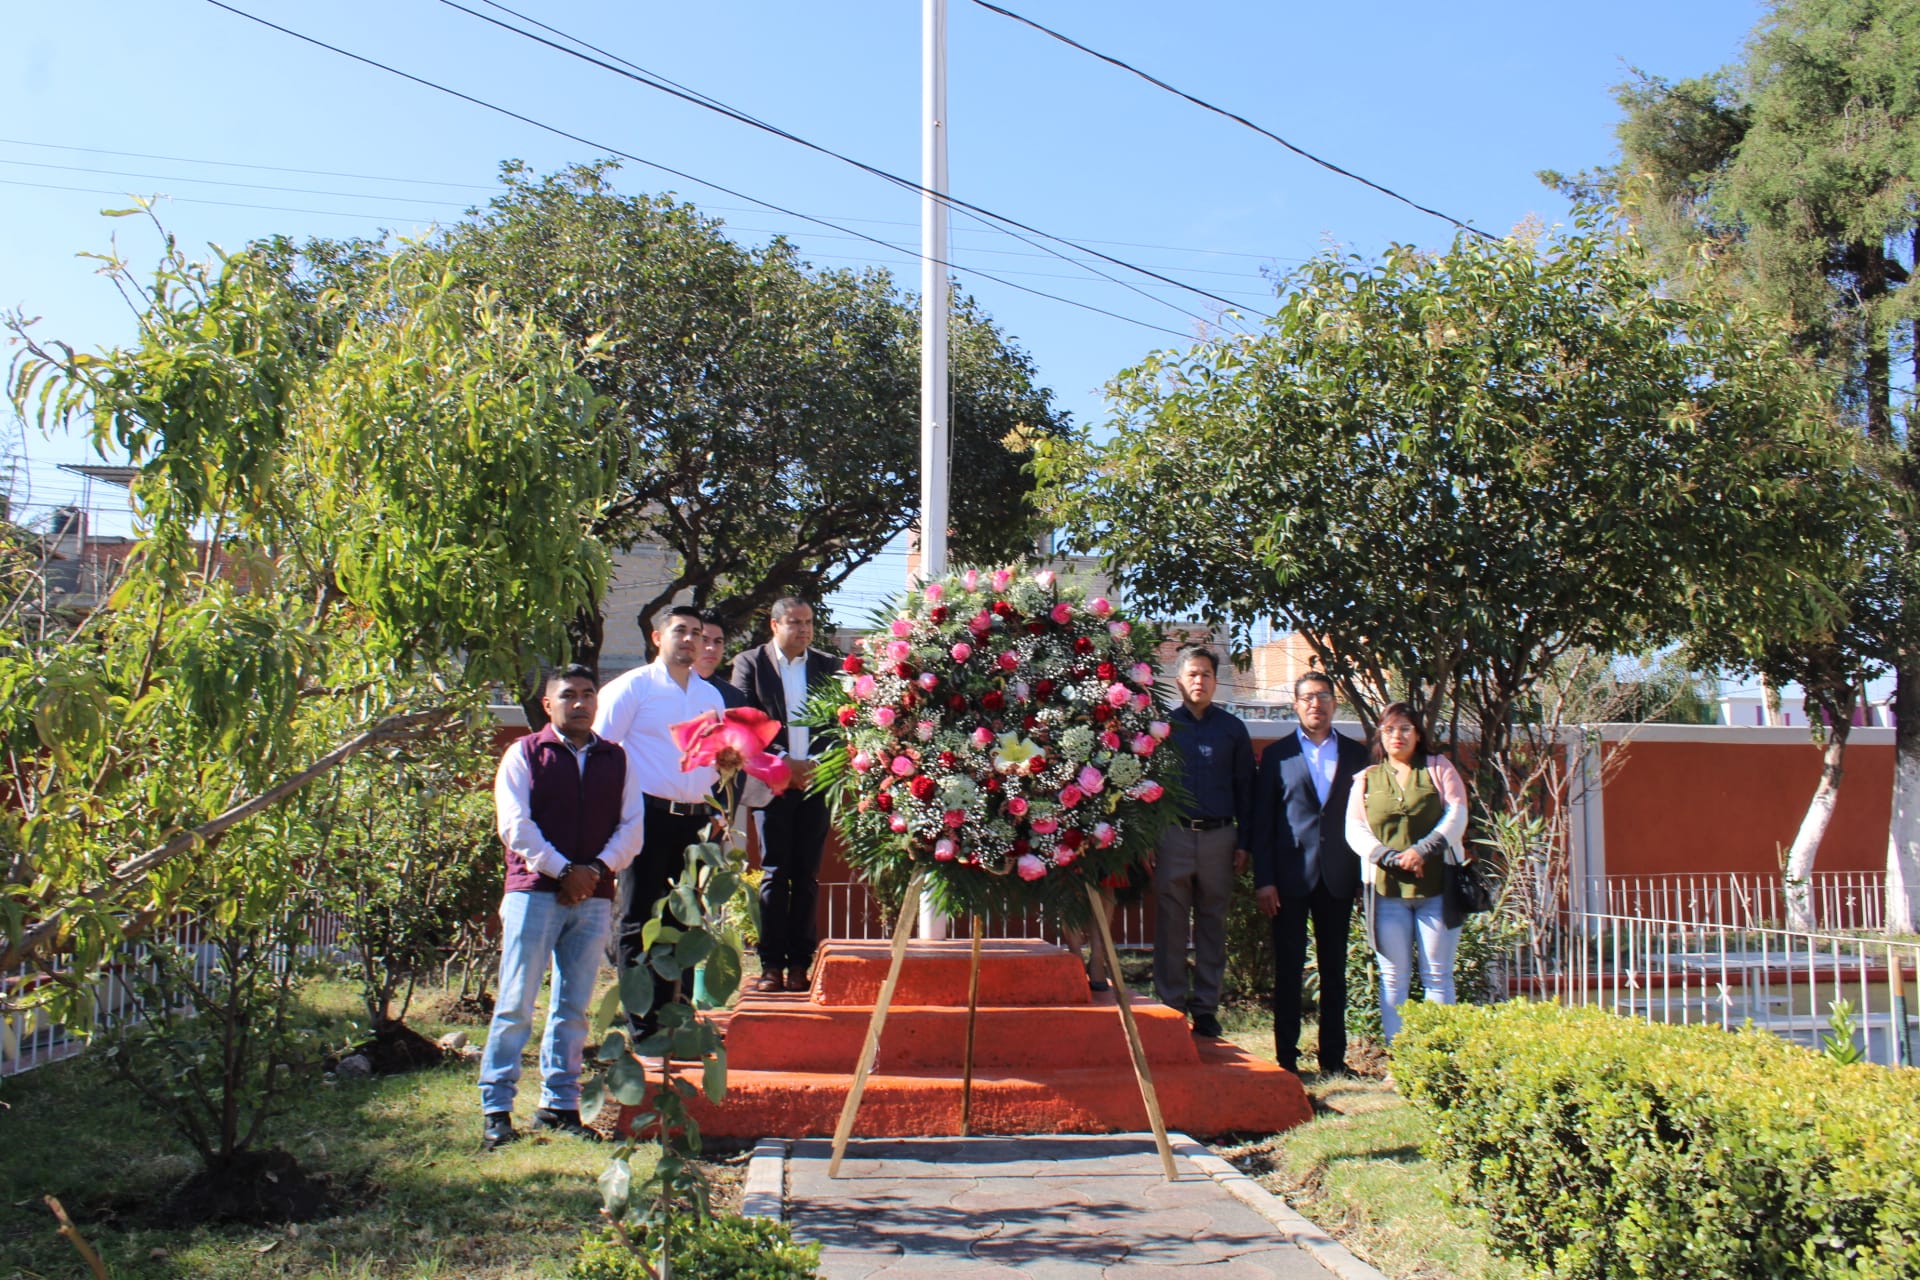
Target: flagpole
(934,447)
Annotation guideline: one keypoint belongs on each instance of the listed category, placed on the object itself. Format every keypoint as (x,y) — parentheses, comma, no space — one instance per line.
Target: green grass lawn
(402,1152)
(419,1198)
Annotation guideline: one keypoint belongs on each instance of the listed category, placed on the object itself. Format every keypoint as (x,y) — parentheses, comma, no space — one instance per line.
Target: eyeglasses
(1313,697)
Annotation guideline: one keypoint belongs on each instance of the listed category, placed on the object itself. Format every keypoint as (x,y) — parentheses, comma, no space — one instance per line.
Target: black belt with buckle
(679,808)
(1204,824)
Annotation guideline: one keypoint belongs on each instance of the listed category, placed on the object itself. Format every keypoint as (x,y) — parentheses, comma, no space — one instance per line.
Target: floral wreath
(1003,735)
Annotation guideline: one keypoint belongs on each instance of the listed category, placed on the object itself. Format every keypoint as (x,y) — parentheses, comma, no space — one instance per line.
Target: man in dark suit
(778,678)
(1303,868)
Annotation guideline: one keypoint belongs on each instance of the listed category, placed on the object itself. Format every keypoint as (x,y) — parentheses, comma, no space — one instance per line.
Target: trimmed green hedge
(1599,1146)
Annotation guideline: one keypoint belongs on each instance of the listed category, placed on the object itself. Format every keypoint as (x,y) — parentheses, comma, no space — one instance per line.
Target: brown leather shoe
(797,980)
(769,983)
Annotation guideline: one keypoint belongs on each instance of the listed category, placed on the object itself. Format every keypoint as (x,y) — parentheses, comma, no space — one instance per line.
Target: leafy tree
(405,851)
(222,1044)
(1446,472)
(1796,171)
(768,413)
(347,525)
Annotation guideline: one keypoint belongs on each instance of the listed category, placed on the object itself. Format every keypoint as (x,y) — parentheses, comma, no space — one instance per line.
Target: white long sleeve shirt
(639,709)
(512,802)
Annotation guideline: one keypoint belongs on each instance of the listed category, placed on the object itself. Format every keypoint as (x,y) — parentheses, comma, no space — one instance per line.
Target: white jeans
(1397,924)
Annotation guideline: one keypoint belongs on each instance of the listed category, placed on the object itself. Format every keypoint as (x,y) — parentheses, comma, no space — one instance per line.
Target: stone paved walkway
(1047,1208)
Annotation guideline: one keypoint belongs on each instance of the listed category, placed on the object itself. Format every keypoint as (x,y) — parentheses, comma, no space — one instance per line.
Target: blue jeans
(1396,923)
(536,929)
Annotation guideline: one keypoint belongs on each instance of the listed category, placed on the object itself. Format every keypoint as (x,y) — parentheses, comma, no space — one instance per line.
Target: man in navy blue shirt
(1205,848)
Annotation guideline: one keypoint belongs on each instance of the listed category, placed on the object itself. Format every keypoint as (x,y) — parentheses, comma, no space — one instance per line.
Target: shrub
(1599,1146)
(728,1248)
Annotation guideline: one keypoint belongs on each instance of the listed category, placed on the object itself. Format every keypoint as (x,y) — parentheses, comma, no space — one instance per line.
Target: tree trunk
(1813,827)
(1903,836)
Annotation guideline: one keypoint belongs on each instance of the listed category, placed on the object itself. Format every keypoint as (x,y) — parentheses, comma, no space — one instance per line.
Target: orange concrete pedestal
(1049,1056)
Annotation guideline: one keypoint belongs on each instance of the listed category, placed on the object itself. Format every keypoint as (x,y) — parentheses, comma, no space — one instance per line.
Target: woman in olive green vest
(1406,816)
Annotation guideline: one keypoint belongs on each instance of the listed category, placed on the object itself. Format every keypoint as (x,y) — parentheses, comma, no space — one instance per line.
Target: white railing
(1836,900)
(1690,970)
(30,1038)
(852,911)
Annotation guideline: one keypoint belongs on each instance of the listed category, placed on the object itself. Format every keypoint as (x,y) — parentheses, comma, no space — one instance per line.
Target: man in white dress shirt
(778,678)
(638,710)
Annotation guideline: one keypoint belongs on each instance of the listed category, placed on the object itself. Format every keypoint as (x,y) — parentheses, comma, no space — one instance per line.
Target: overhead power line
(235,164)
(607,149)
(716,208)
(900,246)
(1203,104)
(228,182)
(640,76)
(360,214)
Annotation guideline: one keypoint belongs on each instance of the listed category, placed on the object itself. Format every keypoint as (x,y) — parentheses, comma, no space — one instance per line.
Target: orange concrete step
(1225,1091)
(1013,971)
(775,1033)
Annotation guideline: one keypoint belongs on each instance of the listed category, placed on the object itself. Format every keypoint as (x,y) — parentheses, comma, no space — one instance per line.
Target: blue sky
(1456,106)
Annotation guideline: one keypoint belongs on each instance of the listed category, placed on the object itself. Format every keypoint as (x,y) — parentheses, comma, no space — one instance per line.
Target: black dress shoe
(496,1130)
(1205,1024)
(547,1118)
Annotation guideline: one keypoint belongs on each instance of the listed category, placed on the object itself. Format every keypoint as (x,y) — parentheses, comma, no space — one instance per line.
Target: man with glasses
(779,677)
(1303,868)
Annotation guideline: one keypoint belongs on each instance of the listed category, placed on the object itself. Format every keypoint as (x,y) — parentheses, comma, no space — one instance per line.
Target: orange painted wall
(1731,806)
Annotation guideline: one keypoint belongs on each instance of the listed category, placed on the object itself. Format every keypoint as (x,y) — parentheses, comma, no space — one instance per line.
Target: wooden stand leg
(973,1010)
(1138,1050)
(902,930)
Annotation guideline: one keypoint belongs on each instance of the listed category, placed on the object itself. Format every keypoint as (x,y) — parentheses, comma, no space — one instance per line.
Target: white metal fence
(853,911)
(30,1038)
(1691,969)
(1836,900)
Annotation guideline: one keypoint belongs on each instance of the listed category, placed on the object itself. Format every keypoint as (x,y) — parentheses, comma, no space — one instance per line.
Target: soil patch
(467,1010)
(397,1048)
(256,1187)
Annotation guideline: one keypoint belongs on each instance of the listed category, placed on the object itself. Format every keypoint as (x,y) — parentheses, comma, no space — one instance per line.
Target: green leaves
(1445,470)
(636,990)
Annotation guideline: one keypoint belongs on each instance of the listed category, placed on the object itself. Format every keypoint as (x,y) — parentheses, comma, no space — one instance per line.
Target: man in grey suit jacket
(778,678)
(1303,868)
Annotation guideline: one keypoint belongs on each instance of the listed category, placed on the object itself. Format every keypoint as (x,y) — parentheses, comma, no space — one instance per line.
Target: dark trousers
(662,857)
(793,835)
(1332,923)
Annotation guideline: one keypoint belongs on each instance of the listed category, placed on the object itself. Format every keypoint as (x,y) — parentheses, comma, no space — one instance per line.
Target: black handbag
(1471,889)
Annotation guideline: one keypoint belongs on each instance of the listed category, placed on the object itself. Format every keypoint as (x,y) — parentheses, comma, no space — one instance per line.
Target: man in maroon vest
(570,815)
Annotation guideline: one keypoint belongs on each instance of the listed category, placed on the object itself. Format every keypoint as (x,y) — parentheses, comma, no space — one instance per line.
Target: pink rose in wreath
(1150,792)
(884,717)
(1118,695)
(1029,867)
(1017,806)
(1071,795)
(902,766)
(1061,613)
(1091,780)
(962,651)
